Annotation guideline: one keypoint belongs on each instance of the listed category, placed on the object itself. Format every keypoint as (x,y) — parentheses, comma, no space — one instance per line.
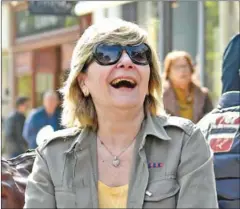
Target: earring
(85,91)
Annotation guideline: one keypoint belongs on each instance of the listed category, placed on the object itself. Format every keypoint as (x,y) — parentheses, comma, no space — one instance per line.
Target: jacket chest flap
(162,160)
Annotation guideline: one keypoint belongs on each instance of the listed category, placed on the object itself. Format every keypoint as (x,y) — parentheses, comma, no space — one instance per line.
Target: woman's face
(107,90)
(180,72)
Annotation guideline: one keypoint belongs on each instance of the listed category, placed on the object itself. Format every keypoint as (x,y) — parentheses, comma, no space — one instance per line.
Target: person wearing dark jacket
(221,129)
(15,144)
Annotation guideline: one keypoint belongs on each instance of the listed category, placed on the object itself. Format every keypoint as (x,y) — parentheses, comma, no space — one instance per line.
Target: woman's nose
(125,61)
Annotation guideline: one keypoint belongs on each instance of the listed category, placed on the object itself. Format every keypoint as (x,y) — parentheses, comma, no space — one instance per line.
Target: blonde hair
(79,111)
(172,57)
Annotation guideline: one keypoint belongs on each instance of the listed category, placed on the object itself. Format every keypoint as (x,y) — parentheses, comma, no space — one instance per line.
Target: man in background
(221,128)
(14,142)
(48,114)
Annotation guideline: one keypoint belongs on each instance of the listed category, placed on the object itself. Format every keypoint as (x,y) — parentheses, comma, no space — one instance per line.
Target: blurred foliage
(211,23)
(211,26)
(70,21)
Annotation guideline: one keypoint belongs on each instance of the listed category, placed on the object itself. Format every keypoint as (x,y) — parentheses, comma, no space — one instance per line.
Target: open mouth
(123,83)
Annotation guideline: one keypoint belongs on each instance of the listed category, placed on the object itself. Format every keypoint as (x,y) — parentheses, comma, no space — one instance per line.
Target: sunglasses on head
(106,54)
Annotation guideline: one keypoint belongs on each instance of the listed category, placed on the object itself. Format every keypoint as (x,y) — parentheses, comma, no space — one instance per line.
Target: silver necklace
(116,158)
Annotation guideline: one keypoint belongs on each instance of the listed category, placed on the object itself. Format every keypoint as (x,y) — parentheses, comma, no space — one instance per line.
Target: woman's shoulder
(167,88)
(175,122)
(178,128)
(202,89)
(59,140)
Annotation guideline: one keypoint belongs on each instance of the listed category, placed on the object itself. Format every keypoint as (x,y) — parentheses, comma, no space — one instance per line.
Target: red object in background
(14,176)
(221,144)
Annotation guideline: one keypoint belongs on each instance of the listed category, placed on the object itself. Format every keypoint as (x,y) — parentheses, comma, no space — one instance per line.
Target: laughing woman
(119,149)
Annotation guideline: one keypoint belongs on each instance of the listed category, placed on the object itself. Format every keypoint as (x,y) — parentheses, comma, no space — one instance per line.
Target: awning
(85,7)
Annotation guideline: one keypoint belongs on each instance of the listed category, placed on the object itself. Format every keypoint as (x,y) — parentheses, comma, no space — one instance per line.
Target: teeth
(122,79)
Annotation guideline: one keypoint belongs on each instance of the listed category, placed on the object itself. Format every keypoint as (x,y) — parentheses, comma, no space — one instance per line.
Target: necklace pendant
(116,162)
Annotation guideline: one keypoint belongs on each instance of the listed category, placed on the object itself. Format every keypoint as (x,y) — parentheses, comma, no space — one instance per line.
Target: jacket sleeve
(10,129)
(30,132)
(40,190)
(196,174)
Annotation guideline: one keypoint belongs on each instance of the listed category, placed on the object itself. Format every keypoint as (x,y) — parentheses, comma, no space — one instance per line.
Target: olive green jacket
(172,168)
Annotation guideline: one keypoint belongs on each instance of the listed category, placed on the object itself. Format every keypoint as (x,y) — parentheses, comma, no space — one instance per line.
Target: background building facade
(39,51)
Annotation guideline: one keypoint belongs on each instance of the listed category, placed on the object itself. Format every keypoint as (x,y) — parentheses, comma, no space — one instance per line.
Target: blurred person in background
(48,114)
(182,96)
(15,144)
(221,129)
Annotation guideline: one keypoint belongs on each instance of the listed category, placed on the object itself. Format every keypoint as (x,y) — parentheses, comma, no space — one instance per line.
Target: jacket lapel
(152,126)
(85,172)
(198,103)
(170,100)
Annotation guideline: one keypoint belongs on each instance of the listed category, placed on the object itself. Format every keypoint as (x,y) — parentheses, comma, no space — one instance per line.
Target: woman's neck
(118,128)
(183,88)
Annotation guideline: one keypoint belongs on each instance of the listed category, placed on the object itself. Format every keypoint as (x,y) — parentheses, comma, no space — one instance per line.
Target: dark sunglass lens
(140,54)
(107,54)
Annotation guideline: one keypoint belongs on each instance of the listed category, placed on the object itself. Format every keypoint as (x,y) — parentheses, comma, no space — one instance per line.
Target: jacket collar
(229,99)
(152,125)
(82,140)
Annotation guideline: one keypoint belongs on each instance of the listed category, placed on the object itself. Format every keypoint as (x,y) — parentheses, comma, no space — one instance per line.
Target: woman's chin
(125,103)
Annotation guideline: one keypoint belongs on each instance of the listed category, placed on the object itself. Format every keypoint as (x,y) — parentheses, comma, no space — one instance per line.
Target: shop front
(42,51)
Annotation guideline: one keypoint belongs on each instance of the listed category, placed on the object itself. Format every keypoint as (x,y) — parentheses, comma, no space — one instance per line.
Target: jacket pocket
(161,194)
(65,199)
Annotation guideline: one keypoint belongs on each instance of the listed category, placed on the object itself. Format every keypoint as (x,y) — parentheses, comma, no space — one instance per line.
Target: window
(28,24)
(24,85)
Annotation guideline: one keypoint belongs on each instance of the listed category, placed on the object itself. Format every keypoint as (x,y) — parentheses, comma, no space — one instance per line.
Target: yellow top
(112,197)
(185,104)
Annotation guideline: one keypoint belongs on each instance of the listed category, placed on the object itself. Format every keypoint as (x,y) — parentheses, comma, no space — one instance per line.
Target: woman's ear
(81,82)
(81,79)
